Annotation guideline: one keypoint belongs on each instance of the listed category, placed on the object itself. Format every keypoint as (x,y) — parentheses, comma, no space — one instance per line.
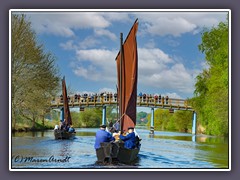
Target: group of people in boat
(130,138)
(64,127)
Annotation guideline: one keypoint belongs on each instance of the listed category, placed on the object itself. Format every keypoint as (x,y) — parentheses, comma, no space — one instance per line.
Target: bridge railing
(104,100)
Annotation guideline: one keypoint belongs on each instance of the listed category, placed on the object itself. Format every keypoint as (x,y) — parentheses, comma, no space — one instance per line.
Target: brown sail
(67,115)
(127,69)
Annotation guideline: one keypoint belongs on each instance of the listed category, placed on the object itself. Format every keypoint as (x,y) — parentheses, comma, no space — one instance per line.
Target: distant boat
(127,72)
(62,133)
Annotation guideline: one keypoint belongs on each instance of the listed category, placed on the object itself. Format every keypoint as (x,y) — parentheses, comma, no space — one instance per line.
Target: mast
(127,62)
(117,102)
(120,84)
(67,115)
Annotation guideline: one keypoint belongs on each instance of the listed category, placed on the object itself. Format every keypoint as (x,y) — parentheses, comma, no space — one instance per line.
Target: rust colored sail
(67,115)
(127,79)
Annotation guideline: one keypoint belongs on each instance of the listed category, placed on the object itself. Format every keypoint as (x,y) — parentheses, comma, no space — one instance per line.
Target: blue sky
(85,45)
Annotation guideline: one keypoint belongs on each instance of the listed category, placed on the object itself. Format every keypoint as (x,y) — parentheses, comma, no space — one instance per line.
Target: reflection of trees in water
(85,133)
(216,152)
(186,138)
(37,133)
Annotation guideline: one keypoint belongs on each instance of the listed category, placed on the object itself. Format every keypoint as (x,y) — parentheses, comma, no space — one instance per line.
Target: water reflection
(160,150)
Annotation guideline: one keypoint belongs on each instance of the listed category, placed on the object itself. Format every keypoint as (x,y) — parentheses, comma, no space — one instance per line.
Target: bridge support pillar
(194,123)
(104,118)
(62,114)
(152,121)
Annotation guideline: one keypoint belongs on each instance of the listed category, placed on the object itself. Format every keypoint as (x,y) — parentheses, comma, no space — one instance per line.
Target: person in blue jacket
(130,139)
(102,136)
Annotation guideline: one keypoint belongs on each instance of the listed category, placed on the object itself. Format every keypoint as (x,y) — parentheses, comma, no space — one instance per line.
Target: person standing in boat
(71,129)
(102,136)
(110,124)
(130,139)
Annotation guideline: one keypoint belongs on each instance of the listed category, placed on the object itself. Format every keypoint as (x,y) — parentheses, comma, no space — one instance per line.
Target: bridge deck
(97,101)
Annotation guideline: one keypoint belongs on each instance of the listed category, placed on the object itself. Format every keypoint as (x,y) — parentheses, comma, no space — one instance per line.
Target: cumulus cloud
(175,26)
(88,72)
(156,69)
(64,24)
(117,16)
(172,78)
(107,33)
(69,45)
(177,23)
(88,42)
(105,89)
(154,23)
(103,60)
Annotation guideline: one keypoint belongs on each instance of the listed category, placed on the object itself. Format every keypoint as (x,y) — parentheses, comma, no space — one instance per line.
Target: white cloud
(175,77)
(63,24)
(69,45)
(175,26)
(100,57)
(88,73)
(155,23)
(107,90)
(152,60)
(88,42)
(172,42)
(177,23)
(103,62)
(104,32)
(172,95)
(150,44)
(156,69)
(117,16)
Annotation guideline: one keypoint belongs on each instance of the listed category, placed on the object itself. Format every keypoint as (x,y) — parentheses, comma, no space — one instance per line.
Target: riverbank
(23,127)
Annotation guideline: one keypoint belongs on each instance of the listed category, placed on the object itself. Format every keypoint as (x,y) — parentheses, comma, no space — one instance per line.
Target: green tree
(76,119)
(90,118)
(183,120)
(211,88)
(161,118)
(141,116)
(35,77)
(178,121)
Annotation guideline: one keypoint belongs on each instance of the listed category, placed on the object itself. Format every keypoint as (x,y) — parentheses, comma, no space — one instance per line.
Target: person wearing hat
(102,136)
(130,139)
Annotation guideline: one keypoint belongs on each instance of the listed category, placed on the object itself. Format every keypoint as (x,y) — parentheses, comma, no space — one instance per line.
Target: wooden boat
(63,133)
(127,63)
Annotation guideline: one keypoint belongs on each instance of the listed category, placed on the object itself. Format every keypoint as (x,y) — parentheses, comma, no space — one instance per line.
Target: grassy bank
(24,127)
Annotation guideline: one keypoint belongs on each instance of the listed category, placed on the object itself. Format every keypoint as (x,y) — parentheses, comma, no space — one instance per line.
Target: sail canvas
(67,115)
(127,79)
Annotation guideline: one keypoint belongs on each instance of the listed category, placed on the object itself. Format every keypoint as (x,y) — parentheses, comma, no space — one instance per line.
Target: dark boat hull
(109,152)
(127,155)
(61,134)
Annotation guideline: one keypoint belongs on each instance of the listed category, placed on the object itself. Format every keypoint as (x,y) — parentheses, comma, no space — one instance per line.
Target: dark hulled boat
(62,133)
(127,71)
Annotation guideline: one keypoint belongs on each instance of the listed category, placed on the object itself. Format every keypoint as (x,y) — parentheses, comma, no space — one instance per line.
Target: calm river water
(164,150)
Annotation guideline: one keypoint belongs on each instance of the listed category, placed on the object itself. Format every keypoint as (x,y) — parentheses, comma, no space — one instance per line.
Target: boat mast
(120,84)
(117,103)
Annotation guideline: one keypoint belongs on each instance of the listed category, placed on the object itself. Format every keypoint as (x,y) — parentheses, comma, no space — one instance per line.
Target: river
(163,151)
